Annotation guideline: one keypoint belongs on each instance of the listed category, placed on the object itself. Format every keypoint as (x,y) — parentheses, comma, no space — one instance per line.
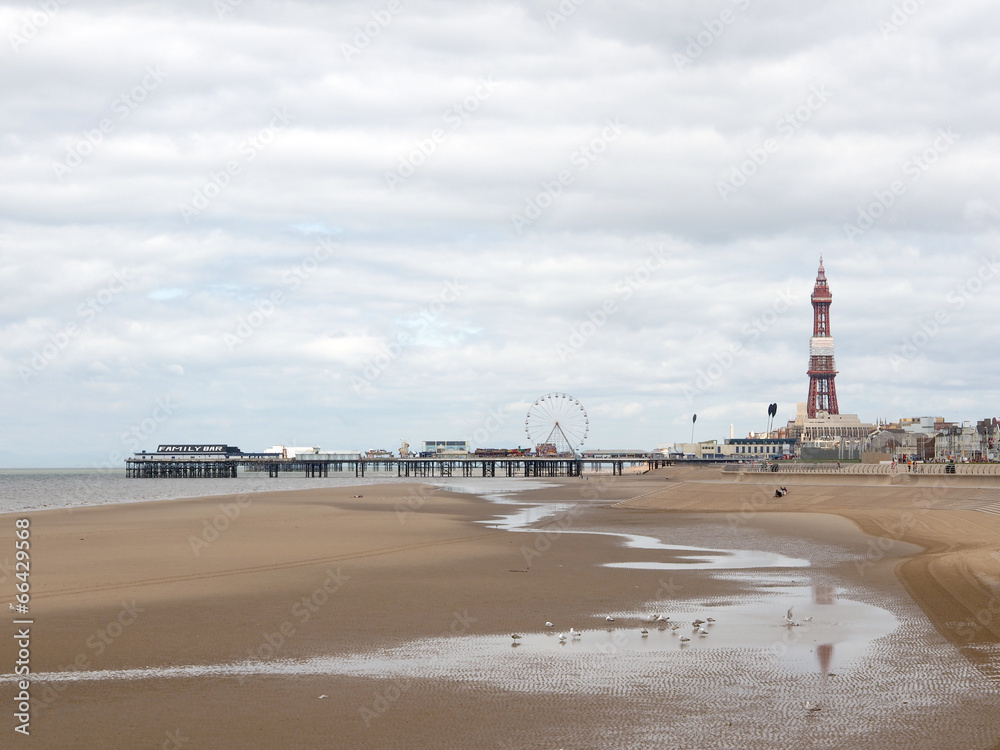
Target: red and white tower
(822,390)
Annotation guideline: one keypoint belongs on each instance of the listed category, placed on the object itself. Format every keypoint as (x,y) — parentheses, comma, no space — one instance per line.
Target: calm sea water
(38,489)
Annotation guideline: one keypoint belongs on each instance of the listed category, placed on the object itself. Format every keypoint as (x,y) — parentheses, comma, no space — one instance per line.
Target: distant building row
(845,437)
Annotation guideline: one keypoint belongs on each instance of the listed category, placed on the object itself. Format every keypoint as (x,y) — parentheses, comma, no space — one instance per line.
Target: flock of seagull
(698,627)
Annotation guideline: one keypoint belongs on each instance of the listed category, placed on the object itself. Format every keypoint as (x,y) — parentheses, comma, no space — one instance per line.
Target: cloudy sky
(347,224)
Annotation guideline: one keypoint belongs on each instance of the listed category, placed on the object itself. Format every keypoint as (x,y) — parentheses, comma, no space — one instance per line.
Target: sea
(23,490)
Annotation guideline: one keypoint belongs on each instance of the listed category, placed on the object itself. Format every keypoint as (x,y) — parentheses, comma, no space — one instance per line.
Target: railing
(784,467)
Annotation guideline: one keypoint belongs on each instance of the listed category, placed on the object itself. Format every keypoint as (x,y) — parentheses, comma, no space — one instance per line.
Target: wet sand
(412,599)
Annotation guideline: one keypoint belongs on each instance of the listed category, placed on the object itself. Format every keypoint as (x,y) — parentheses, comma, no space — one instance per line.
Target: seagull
(710,620)
(811,706)
(515,636)
(575,633)
(806,619)
(684,639)
(548,625)
(609,618)
(644,632)
(702,631)
(788,615)
(12,607)
(698,622)
(562,637)
(324,696)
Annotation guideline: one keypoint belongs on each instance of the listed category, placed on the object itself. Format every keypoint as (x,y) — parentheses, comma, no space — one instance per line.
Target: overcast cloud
(349,224)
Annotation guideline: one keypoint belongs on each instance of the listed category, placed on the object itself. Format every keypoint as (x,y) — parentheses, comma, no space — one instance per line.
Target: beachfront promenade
(785,467)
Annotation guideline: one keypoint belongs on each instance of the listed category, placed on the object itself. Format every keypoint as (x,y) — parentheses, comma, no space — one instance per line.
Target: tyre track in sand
(287,565)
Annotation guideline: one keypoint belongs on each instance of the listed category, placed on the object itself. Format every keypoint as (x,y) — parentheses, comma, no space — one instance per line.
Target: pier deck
(226,467)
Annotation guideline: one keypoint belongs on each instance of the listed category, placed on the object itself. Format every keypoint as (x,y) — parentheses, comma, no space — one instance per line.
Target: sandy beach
(317,618)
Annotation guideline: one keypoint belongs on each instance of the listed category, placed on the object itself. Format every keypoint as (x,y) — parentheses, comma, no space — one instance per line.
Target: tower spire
(822,369)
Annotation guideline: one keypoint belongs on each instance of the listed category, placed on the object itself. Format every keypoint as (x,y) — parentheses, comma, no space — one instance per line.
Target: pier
(225,467)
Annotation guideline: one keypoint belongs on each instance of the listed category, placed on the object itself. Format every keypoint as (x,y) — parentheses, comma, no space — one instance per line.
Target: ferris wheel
(557,424)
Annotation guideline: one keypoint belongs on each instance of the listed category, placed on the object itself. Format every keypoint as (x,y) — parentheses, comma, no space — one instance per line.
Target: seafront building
(934,439)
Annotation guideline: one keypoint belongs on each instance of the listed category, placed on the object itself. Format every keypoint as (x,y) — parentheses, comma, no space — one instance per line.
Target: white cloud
(248,266)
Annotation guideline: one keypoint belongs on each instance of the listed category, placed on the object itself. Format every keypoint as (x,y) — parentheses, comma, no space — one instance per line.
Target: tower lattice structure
(822,369)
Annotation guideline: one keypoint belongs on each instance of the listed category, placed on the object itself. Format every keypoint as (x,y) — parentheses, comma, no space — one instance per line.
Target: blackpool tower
(822,391)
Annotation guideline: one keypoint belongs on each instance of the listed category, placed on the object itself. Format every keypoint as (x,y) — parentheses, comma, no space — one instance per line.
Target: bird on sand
(609,618)
(516,636)
(562,637)
(548,625)
(644,632)
(684,639)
